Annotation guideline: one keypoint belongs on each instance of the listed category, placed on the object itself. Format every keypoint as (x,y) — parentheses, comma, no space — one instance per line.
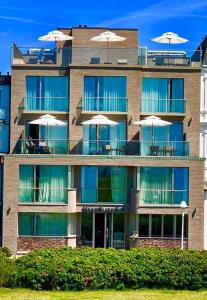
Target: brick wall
(160,243)
(32,243)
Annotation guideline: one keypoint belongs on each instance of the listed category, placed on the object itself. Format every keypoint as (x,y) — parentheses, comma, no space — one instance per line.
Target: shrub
(7,269)
(86,268)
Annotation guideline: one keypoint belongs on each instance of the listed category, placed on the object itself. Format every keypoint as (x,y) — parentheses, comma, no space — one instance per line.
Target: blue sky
(23,21)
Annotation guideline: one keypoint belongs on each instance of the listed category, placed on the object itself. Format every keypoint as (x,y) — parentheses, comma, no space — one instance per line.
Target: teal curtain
(90,102)
(89,184)
(47,93)
(26,184)
(154,94)
(32,100)
(119,184)
(105,93)
(55,93)
(56,138)
(155,185)
(51,224)
(53,184)
(177,103)
(26,224)
(4,102)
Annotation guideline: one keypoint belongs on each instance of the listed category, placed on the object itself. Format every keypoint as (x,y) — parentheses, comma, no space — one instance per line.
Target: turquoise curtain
(4,138)
(89,184)
(26,184)
(32,100)
(47,93)
(154,94)
(26,224)
(53,184)
(177,104)
(51,224)
(56,138)
(155,185)
(180,185)
(105,93)
(90,102)
(119,184)
(55,93)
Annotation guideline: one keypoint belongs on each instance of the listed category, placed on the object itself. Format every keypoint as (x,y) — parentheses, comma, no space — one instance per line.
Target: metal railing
(163,105)
(102,147)
(44,104)
(103,55)
(162,197)
(112,104)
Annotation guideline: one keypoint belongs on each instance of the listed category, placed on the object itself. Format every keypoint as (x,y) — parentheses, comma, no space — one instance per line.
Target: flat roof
(89,27)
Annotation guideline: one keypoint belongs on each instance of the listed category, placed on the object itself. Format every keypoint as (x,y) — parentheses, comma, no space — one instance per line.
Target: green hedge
(86,268)
(8,269)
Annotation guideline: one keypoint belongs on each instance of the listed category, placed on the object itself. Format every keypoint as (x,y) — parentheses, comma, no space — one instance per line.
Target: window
(163,186)
(105,93)
(163,95)
(112,136)
(162,226)
(43,184)
(32,224)
(104,184)
(47,93)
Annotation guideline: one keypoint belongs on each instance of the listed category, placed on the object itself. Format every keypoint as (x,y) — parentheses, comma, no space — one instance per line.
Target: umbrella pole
(169,52)
(152,135)
(97,136)
(107,46)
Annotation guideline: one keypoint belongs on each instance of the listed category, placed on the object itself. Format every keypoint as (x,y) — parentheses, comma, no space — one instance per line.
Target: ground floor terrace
(99,202)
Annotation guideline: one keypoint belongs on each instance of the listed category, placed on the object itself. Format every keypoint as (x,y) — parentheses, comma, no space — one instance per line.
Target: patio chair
(154,150)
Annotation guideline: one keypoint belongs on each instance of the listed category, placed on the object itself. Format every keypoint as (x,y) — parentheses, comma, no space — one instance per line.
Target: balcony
(104,147)
(158,197)
(169,106)
(43,104)
(172,58)
(103,104)
(96,55)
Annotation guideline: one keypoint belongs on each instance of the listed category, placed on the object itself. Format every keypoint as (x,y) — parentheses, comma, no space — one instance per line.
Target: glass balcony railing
(103,147)
(43,194)
(44,104)
(163,105)
(103,55)
(104,195)
(163,197)
(112,104)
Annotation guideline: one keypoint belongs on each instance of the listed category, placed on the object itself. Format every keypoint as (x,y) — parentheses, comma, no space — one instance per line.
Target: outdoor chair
(154,150)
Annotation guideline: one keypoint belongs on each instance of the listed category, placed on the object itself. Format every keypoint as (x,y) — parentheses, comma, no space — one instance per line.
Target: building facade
(5,83)
(103,186)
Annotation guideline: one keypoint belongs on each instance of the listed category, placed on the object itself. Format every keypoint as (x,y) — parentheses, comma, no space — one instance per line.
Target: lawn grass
(25,294)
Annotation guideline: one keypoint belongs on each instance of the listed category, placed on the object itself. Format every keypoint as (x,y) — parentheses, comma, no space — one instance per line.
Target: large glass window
(47,93)
(108,139)
(168,140)
(163,95)
(33,224)
(43,184)
(87,229)
(162,226)
(163,186)
(104,184)
(105,93)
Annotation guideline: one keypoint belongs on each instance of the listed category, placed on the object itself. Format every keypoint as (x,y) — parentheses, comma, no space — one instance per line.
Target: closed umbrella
(153,121)
(169,38)
(108,37)
(99,120)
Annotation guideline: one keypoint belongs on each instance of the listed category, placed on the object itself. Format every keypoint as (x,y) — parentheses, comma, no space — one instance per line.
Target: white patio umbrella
(99,120)
(153,121)
(47,120)
(108,37)
(169,38)
(55,36)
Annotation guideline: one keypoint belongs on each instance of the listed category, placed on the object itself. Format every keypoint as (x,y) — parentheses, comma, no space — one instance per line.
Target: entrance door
(99,230)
